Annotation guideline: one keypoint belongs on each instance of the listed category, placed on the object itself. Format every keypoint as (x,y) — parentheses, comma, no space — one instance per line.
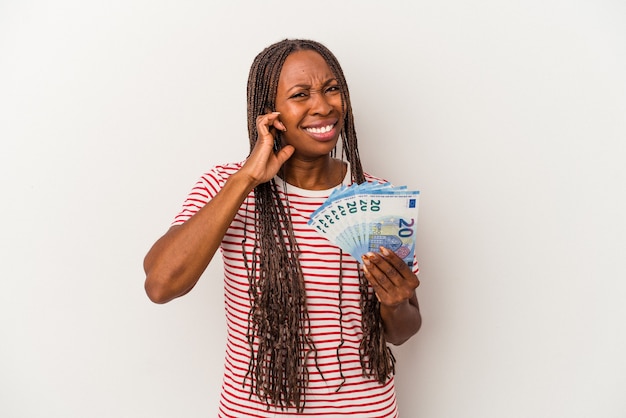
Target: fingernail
(276,113)
(366,261)
(384,251)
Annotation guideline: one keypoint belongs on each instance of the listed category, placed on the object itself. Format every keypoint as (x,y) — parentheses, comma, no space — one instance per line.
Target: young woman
(308,325)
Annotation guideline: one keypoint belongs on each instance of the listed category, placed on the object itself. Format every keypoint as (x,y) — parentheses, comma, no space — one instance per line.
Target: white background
(509,116)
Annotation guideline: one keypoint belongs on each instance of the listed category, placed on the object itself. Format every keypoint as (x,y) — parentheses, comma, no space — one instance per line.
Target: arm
(394,284)
(177,260)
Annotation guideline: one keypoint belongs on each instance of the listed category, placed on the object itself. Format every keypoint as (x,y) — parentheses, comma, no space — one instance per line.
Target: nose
(320,104)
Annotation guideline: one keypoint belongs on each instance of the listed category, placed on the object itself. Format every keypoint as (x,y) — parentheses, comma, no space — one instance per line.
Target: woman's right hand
(263,163)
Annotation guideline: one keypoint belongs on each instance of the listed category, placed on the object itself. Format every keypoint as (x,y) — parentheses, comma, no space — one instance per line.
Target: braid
(278,320)
(279,308)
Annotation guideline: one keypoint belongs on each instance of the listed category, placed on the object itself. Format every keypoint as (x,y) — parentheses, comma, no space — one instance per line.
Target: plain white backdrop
(509,116)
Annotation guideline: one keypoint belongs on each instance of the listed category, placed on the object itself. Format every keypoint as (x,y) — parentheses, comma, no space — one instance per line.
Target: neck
(320,174)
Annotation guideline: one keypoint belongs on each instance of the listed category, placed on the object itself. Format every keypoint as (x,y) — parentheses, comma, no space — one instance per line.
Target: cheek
(337,103)
(289,117)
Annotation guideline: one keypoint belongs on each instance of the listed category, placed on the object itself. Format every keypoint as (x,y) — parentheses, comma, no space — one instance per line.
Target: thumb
(285,153)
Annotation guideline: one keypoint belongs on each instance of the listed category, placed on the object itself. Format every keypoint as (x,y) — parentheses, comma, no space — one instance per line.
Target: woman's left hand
(392,279)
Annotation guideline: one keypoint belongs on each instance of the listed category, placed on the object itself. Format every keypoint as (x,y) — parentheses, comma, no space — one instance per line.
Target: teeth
(321,130)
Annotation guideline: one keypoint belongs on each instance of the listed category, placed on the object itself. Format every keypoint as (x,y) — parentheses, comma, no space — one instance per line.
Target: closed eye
(298,95)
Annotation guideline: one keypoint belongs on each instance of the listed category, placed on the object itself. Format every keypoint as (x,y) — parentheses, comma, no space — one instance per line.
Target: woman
(308,326)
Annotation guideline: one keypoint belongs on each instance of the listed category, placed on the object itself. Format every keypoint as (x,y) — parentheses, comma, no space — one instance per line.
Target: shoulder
(207,186)
(220,173)
(225,169)
(211,181)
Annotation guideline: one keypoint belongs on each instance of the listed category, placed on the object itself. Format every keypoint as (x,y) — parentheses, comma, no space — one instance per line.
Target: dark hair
(279,316)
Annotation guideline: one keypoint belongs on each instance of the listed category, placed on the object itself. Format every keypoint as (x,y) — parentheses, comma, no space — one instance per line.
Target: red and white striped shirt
(320,262)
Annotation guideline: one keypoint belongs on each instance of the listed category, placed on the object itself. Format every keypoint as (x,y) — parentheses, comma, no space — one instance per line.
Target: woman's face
(309,101)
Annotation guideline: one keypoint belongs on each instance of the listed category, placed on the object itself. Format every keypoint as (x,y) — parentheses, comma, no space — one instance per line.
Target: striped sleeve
(204,190)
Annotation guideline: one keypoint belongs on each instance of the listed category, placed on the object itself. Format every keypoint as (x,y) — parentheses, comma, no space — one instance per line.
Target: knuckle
(401,265)
(391,272)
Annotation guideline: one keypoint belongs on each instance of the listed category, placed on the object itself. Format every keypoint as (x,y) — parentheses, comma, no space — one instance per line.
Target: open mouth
(320,130)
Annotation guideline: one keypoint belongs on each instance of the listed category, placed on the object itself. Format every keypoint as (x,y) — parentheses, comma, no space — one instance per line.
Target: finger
(267,121)
(284,154)
(386,293)
(389,293)
(265,141)
(263,123)
(377,277)
(385,272)
(403,269)
(277,123)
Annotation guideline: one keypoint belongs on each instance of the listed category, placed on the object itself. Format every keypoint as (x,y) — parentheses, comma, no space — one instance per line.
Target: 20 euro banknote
(362,218)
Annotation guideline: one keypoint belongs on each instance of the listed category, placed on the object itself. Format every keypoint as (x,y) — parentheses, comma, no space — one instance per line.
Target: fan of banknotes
(363,217)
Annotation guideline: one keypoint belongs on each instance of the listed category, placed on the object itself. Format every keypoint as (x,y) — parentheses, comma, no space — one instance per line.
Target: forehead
(304,67)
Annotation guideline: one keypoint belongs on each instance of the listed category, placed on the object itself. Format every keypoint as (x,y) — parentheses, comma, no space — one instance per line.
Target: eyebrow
(308,86)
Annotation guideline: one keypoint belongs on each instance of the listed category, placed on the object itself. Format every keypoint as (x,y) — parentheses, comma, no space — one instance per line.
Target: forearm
(177,260)
(401,322)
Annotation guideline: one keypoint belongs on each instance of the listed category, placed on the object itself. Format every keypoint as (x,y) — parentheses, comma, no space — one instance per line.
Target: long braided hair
(278,319)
